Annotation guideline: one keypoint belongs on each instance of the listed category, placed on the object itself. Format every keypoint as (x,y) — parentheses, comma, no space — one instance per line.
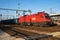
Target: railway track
(24,34)
(43,29)
(38,28)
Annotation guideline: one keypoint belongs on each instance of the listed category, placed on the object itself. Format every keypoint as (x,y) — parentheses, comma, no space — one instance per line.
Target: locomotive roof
(37,13)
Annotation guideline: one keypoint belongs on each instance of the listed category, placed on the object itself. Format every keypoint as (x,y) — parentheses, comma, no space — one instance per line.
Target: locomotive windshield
(47,15)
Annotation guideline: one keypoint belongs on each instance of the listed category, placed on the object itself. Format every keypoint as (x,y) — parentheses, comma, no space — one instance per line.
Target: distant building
(55,16)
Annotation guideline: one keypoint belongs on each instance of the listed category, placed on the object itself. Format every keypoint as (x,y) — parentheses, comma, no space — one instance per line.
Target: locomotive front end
(48,20)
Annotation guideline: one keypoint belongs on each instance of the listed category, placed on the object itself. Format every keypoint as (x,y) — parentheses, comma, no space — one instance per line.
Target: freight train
(40,18)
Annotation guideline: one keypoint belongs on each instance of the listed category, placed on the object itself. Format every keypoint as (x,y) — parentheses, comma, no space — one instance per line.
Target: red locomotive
(41,18)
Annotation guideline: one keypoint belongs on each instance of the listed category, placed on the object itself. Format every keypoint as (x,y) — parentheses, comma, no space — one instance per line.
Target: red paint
(39,17)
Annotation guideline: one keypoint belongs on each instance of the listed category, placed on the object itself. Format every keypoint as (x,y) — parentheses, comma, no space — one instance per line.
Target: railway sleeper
(28,37)
(35,37)
(16,33)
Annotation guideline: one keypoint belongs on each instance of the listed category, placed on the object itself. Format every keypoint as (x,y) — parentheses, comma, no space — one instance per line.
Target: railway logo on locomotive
(33,18)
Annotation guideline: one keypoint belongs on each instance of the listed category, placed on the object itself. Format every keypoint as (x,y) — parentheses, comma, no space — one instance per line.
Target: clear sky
(34,5)
(41,5)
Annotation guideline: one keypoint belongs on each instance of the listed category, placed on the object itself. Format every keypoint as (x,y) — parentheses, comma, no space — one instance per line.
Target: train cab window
(47,16)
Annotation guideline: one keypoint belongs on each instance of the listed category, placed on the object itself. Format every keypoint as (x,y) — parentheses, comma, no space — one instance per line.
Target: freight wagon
(9,21)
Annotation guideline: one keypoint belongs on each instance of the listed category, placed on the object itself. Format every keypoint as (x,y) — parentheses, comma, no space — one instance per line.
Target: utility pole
(30,11)
(50,10)
(17,11)
(18,4)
